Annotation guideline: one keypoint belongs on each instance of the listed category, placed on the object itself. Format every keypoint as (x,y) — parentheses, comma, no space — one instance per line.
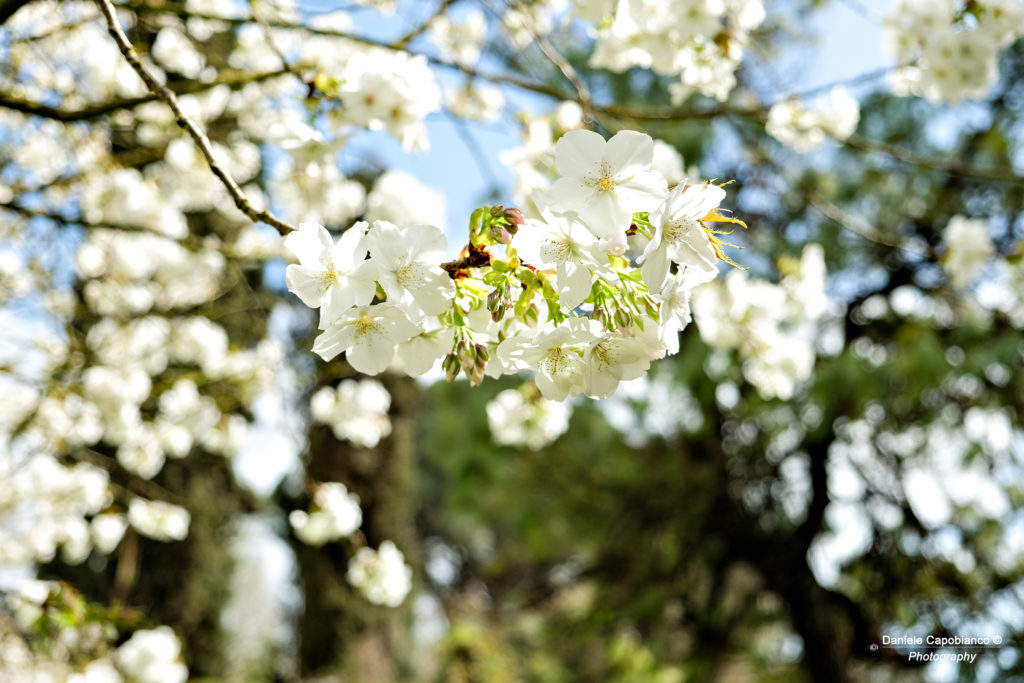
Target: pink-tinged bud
(500,234)
(482,356)
(450,365)
(467,356)
(515,217)
(497,210)
(494,299)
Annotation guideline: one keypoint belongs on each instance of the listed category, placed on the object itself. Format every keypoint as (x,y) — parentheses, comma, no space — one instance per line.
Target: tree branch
(501,79)
(203,142)
(950,166)
(860,228)
(92,111)
(416,31)
(563,65)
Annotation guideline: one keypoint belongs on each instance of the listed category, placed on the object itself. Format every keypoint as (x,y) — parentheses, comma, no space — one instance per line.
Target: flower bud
(600,315)
(500,234)
(494,299)
(450,365)
(497,303)
(497,210)
(623,318)
(482,356)
(515,217)
(467,356)
(476,374)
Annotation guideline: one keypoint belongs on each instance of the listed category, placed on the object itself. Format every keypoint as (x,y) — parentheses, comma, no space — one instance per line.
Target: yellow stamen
(365,323)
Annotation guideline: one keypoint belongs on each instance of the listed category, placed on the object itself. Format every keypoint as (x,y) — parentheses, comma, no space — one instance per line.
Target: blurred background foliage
(683,552)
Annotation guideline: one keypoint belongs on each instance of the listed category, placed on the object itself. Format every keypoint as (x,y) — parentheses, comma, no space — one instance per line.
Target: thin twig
(501,79)
(417,30)
(951,166)
(269,37)
(68,220)
(858,227)
(203,142)
(691,113)
(563,65)
(830,210)
(9,100)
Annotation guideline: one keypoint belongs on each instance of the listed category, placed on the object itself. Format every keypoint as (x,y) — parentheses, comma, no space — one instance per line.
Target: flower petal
(629,153)
(579,153)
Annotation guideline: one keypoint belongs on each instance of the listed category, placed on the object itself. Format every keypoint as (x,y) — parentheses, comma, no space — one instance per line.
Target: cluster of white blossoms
(131,389)
(335,514)
(533,163)
(461,41)
(356,411)
(152,657)
(611,263)
(393,91)
(968,248)
(949,49)
(805,129)
(773,326)
(148,656)
(159,520)
(381,575)
(522,417)
(971,260)
(43,506)
(700,41)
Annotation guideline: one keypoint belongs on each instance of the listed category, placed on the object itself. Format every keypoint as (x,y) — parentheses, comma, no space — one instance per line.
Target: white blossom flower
(152,657)
(107,531)
(516,419)
(968,248)
(679,236)
(390,90)
(402,199)
(336,515)
(158,520)
(142,454)
(330,276)
(407,262)
(369,334)
(605,183)
(614,357)
(674,312)
(563,243)
(805,129)
(773,326)
(556,354)
(460,41)
(381,575)
(356,411)
(97,671)
(420,353)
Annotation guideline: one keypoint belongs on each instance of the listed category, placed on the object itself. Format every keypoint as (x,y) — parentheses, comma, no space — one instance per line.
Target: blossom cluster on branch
(950,49)
(584,297)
